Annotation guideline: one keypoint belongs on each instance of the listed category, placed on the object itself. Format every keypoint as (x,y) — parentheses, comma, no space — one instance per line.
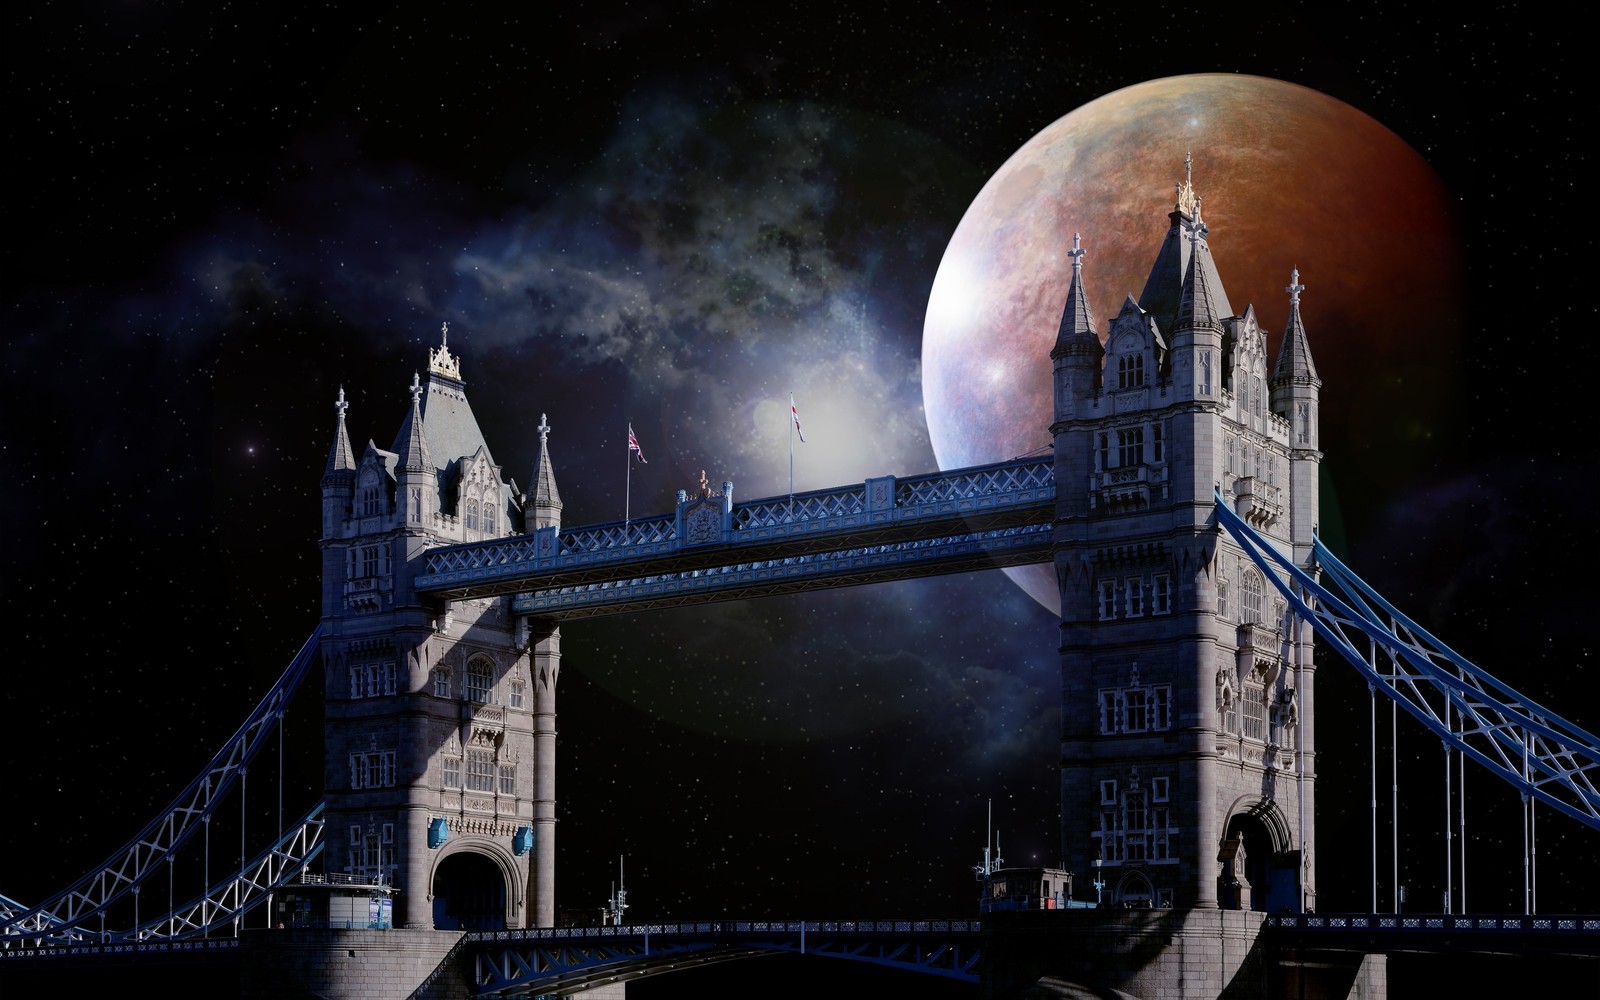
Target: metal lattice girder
(129,866)
(246,889)
(986,498)
(847,568)
(1518,740)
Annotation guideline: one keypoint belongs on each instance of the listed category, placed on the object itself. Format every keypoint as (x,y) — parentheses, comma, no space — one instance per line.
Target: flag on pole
(633,446)
(794,415)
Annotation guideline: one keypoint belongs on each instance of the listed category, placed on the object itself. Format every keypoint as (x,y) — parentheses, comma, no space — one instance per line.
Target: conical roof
(1294,355)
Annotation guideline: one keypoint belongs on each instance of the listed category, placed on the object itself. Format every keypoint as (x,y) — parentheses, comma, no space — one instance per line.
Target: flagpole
(627,492)
(791,456)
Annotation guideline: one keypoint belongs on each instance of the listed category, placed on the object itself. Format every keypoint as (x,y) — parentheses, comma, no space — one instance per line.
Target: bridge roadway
(711,549)
(544,961)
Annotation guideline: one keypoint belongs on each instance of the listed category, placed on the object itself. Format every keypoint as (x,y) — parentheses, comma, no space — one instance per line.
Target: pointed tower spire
(1077,322)
(1078,353)
(545,509)
(411,444)
(1294,362)
(1196,305)
(1185,249)
(340,457)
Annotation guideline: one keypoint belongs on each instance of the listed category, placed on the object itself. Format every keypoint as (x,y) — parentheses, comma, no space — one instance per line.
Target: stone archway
(469,893)
(1134,891)
(1260,865)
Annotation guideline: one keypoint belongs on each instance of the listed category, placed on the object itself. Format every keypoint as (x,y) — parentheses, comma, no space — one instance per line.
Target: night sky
(673,216)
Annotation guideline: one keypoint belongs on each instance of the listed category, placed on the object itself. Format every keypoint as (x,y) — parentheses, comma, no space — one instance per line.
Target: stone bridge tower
(439,774)
(1187,753)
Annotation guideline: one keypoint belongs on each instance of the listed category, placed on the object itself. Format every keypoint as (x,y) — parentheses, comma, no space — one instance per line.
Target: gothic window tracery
(480,679)
(1251,587)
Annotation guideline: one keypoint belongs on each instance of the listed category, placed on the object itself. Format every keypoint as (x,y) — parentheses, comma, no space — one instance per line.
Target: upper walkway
(711,549)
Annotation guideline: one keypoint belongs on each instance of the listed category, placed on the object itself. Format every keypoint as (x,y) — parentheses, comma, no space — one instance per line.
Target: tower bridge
(1179,511)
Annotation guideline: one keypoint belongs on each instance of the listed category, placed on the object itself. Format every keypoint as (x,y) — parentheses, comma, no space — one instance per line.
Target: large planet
(1289,178)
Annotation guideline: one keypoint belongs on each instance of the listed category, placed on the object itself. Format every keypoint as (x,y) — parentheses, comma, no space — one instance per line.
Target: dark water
(791,977)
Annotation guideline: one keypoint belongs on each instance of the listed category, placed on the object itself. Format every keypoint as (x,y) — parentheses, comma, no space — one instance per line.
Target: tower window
(1135,590)
(374,769)
(480,679)
(1130,446)
(451,772)
(472,515)
(1133,830)
(480,771)
(1108,599)
(488,518)
(1139,708)
(1160,594)
(371,499)
(1205,373)
(508,780)
(371,680)
(441,682)
(517,692)
(1255,709)
(1158,453)
(1222,600)
(1252,597)
(1105,450)
(1130,371)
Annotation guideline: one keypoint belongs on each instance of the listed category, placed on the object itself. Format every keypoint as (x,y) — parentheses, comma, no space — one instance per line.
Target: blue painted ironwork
(848,567)
(946,509)
(1515,738)
(565,960)
(65,914)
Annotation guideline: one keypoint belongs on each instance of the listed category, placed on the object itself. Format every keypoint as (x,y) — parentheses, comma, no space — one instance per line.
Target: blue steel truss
(64,917)
(1534,749)
(545,961)
(883,529)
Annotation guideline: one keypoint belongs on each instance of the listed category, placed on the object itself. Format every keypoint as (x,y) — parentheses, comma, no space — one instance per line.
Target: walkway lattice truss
(79,913)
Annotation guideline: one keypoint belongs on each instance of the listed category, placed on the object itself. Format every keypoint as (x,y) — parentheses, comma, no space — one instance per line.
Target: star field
(215,217)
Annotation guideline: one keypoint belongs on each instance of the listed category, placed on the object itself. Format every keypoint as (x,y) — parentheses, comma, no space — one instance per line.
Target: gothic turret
(416,487)
(1296,392)
(1078,352)
(339,477)
(543,507)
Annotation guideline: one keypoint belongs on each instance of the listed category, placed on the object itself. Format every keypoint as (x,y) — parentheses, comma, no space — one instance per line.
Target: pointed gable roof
(1294,355)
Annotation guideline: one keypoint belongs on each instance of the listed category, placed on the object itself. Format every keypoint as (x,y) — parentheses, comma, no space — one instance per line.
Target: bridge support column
(546,669)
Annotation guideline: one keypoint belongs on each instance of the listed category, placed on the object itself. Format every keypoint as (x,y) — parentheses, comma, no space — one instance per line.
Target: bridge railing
(882,500)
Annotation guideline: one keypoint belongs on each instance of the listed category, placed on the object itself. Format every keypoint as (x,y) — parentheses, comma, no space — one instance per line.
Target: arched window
(1252,597)
(472,515)
(1130,371)
(1255,707)
(480,679)
(488,517)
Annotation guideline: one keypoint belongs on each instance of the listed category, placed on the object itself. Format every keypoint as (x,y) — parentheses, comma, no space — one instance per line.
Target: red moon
(1289,178)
